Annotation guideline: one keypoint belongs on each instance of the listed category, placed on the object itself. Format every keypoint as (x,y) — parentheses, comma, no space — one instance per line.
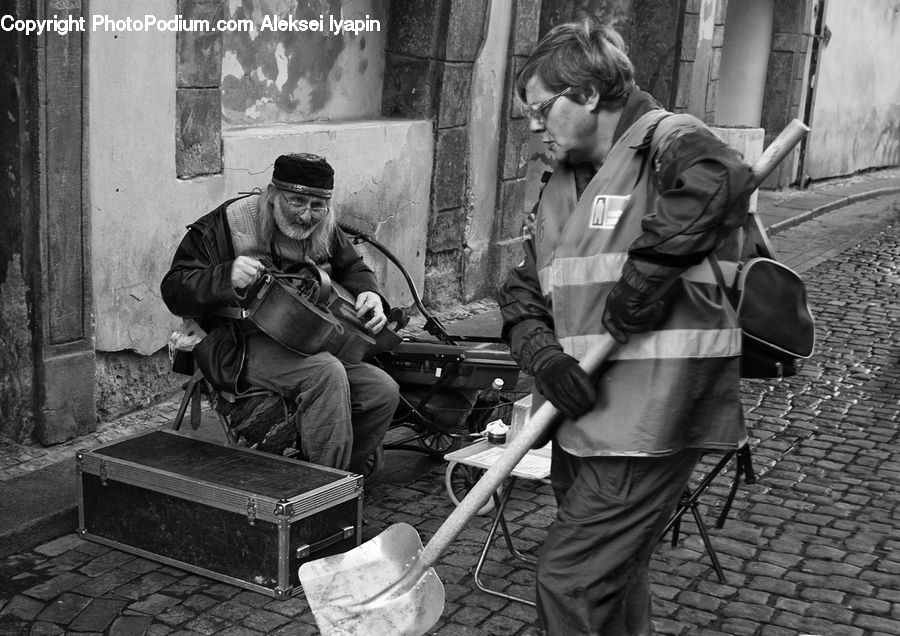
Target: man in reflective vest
(620,245)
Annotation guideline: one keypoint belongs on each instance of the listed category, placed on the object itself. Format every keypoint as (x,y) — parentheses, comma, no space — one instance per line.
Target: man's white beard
(295,231)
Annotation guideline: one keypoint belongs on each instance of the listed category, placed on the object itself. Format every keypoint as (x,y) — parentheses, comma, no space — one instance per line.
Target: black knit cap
(304,173)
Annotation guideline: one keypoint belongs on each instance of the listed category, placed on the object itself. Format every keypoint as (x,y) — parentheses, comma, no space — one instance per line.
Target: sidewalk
(38,496)
(811,548)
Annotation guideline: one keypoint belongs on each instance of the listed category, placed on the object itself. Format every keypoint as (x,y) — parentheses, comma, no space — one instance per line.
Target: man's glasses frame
(317,208)
(538,112)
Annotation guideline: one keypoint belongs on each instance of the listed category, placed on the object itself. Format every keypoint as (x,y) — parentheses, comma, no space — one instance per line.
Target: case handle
(308,548)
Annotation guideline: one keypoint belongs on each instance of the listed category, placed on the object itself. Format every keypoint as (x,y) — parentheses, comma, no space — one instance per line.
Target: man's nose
(536,125)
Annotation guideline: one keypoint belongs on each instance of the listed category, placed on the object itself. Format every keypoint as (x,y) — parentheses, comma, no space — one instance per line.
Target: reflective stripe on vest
(585,270)
(582,283)
(670,343)
(609,267)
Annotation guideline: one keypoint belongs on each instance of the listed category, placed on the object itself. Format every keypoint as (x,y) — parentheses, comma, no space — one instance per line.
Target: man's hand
(244,271)
(566,386)
(628,311)
(368,307)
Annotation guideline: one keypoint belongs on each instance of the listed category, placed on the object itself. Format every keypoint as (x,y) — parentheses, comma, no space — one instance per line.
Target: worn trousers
(593,570)
(343,409)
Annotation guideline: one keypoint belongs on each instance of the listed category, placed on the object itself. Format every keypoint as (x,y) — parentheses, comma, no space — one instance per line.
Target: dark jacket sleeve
(704,190)
(199,281)
(527,316)
(350,270)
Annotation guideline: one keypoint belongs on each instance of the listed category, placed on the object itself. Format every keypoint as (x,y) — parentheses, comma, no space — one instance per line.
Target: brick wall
(198,98)
(429,58)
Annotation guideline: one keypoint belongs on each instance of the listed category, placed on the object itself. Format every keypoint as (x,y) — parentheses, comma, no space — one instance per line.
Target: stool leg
(191,387)
(675,521)
(226,428)
(195,409)
(509,544)
(502,500)
(689,498)
(747,459)
(701,525)
(743,466)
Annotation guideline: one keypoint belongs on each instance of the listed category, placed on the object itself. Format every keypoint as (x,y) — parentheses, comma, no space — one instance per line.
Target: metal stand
(535,466)
(690,498)
(501,500)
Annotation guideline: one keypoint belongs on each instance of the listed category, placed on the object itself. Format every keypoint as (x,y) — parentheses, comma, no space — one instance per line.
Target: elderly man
(621,246)
(343,409)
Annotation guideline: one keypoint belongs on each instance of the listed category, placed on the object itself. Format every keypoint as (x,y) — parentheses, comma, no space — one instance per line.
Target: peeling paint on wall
(127,381)
(298,76)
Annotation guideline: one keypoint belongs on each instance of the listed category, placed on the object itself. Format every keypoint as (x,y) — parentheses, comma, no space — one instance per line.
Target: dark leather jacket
(198,284)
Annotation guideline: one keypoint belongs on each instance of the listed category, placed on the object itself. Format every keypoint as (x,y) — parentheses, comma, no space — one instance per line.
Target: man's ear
(592,98)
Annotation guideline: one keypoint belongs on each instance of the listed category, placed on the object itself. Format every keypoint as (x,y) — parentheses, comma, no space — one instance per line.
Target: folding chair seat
(258,418)
(691,497)
(248,416)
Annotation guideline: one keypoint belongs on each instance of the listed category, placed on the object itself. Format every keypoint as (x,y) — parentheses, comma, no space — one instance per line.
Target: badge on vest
(606,211)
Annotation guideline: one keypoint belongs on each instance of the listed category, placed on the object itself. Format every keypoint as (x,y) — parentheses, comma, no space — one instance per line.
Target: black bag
(776,322)
(219,356)
(778,329)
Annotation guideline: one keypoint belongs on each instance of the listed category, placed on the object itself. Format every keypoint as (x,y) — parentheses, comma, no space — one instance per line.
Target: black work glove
(566,386)
(630,311)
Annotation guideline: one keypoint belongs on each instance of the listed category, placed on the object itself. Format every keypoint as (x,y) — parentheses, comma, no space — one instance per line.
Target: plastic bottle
(484,406)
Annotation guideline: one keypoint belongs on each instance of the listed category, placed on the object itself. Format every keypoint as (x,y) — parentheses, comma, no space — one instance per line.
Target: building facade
(116,137)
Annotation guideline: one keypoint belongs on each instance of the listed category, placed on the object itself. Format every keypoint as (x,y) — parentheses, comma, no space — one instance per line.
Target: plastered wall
(856,114)
(271,76)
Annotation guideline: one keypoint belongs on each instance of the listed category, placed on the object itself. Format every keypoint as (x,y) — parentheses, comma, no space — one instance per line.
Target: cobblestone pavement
(813,547)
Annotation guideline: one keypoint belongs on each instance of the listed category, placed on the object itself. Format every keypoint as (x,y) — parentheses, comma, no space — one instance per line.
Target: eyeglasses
(298,203)
(538,112)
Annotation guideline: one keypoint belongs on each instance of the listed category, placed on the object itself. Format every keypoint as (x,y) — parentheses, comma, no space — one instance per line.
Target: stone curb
(831,206)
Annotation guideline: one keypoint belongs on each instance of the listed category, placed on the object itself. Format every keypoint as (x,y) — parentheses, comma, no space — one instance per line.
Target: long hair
(315,248)
(585,55)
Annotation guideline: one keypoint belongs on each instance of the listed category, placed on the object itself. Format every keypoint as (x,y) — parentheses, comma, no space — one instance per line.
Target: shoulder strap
(719,276)
(757,242)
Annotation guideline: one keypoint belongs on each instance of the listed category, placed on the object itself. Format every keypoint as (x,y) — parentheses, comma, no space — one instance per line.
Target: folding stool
(690,498)
(196,388)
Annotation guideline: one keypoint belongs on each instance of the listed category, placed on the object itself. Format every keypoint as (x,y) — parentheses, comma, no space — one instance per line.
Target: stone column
(513,201)
(47,364)
(747,141)
(485,116)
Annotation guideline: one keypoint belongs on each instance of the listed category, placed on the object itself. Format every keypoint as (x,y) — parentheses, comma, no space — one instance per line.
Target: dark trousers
(593,571)
(344,409)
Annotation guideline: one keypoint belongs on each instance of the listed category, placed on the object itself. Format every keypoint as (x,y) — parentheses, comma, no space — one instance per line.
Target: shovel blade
(340,589)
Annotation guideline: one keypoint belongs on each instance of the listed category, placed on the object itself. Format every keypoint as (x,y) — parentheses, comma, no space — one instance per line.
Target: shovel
(387,585)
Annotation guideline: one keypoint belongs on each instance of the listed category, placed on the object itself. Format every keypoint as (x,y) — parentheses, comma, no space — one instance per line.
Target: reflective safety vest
(677,386)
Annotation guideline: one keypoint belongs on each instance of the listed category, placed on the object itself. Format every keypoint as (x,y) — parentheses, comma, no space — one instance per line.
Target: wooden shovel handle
(780,147)
(496,474)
